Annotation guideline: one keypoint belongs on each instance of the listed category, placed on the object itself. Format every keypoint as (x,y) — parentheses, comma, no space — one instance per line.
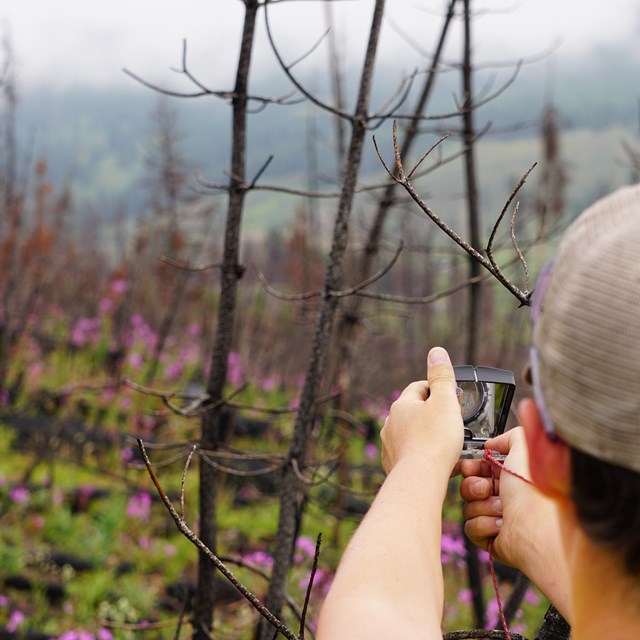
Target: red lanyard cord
(498,464)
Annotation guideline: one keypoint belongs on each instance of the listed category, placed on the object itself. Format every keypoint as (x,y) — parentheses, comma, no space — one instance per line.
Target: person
(575,532)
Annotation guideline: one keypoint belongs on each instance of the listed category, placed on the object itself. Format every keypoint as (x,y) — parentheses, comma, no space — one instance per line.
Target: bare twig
(184,70)
(287,70)
(489,250)
(374,278)
(291,297)
(183,612)
(166,462)
(516,597)
(262,169)
(282,410)
(402,93)
(401,178)
(240,455)
(516,246)
(179,264)
(342,293)
(259,572)
(313,47)
(307,597)
(195,540)
(217,186)
(306,481)
(436,144)
(387,297)
(184,479)
(206,91)
(238,472)
(468,106)
(137,626)
(363,188)
(197,407)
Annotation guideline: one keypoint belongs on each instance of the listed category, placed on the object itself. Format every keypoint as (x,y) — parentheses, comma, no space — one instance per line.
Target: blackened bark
(291,494)
(348,332)
(554,627)
(231,273)
(473,564)
(10,217)
(468,137)
(520,586)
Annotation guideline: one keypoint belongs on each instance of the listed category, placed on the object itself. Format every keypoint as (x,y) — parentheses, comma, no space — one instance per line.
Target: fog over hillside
(97,138)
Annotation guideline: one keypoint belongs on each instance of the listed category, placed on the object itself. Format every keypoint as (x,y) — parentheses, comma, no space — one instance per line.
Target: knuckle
(471,529)
(441,377)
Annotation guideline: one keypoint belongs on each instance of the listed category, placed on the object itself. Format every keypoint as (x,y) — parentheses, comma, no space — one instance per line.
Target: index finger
(475,467)
(418,390)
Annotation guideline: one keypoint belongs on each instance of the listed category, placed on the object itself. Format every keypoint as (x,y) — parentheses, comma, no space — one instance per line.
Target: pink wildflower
(371,451)
(452,548)
(531,597)
(306,545)
(194,330)
(235,371)
(76,635)
(135,360)
(269,383)
(174,370)
(86,331)
(139,506)
(118,285)
(15,620)
(465,596)
(260,558)
(492,614)
(321,582)
(19,495)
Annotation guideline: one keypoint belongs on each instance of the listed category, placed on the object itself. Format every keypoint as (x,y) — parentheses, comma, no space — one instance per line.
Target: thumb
(440,374)
(504,442)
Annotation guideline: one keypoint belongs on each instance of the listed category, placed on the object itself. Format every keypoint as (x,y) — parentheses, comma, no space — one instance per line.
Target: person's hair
(607,500)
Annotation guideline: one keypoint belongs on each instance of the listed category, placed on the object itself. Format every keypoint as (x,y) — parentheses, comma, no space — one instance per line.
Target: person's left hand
(425,421)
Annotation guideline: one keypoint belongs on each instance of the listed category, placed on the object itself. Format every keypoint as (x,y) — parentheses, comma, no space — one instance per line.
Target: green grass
(136,556)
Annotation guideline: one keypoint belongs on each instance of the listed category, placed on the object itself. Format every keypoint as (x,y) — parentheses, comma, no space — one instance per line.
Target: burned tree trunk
(291,494)
(231,273)
(474,291)
(554,627)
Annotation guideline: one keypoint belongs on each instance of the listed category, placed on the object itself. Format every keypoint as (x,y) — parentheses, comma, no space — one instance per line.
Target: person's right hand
(425,421)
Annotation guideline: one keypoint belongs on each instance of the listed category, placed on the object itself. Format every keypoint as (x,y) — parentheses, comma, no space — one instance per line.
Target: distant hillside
(97,139)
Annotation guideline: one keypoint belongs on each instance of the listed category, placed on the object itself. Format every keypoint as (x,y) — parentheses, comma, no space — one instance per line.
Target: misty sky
(79,41)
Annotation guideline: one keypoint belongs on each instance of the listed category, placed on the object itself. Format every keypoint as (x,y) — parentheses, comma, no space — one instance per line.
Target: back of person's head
(586,357)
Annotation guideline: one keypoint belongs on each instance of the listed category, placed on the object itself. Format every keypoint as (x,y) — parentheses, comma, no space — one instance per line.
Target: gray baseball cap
(587,336)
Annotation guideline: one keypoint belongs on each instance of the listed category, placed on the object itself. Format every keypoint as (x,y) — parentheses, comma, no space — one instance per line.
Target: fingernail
(498,522)
(438,355)
(497,503)
(477,489)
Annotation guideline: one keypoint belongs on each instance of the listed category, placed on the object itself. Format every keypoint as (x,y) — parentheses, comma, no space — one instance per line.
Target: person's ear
(549,459)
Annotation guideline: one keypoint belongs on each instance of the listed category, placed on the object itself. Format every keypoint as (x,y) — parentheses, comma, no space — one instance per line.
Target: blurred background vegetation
(110,246)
